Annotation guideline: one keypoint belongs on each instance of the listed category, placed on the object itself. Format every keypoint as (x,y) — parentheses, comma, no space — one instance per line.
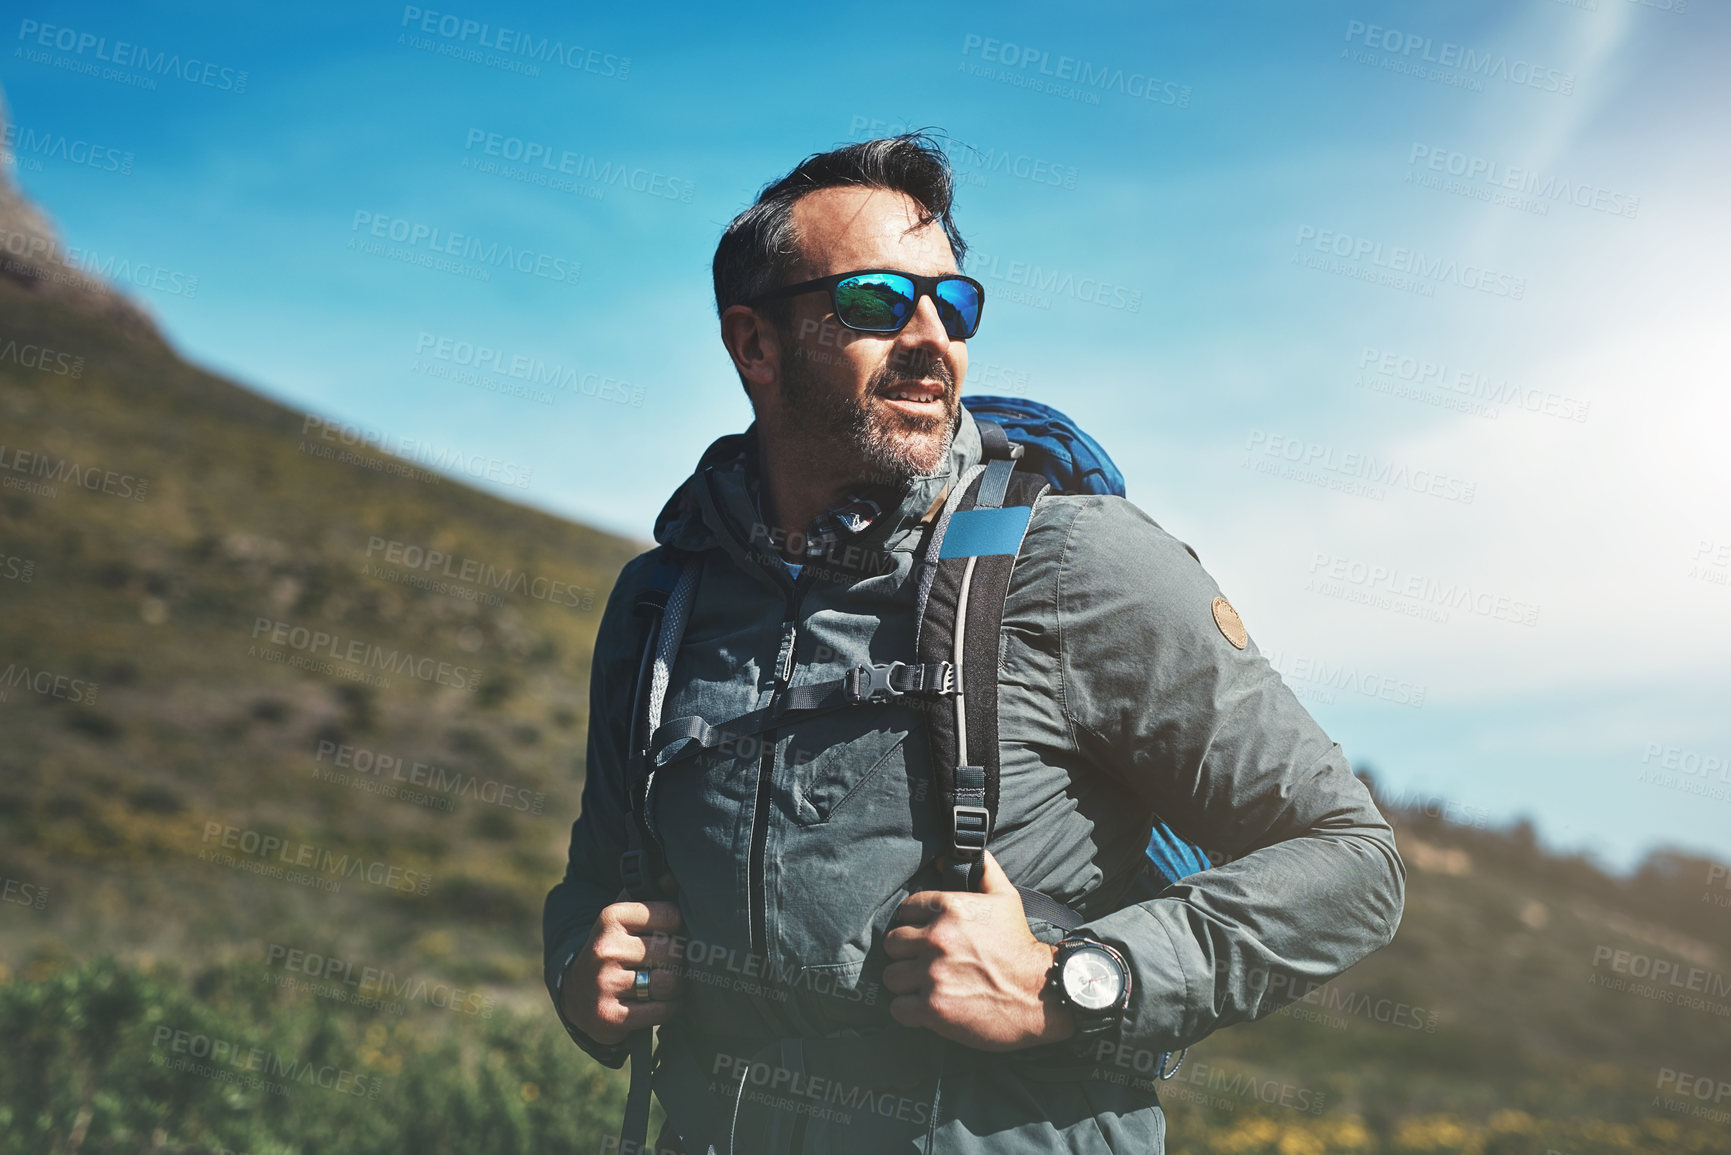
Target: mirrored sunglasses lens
(876,301)
(959,307)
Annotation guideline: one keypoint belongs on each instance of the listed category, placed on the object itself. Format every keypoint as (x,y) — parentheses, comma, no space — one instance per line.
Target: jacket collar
(714,507)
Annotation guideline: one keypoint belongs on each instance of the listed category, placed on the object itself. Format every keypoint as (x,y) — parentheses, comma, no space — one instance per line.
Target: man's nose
(925,329)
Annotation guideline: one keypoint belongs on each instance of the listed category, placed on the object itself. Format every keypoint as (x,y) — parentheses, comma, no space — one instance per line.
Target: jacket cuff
(1162,1015)
(607,1054)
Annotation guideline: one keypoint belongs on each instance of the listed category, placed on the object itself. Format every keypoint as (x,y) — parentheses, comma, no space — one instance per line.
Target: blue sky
(1416,329)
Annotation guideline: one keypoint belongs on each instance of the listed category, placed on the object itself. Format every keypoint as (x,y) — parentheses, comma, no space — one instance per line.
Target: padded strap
(673,620)
(934,548)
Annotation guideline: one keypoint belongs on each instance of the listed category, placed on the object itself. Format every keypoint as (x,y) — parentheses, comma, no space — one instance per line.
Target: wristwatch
(1093,981)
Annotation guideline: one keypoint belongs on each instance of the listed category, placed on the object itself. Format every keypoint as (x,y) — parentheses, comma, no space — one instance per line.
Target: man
(818,986)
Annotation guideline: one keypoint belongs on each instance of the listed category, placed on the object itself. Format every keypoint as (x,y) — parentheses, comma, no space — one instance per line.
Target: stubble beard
(885,447)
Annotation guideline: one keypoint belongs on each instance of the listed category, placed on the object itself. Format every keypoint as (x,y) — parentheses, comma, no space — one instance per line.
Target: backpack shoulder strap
(968,563)
(664,604)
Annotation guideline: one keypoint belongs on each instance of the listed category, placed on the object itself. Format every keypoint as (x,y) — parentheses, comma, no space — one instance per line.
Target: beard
(885,446)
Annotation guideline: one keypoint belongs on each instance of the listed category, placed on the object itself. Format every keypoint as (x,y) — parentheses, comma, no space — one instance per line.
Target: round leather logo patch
(1231,625)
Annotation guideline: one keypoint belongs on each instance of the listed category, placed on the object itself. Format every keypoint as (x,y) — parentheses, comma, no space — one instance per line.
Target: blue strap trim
(985,532)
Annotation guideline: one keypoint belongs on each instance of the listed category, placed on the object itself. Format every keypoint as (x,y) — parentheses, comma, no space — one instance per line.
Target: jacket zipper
(757,906)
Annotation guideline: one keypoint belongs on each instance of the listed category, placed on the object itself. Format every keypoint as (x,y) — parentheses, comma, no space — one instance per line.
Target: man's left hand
(968,968)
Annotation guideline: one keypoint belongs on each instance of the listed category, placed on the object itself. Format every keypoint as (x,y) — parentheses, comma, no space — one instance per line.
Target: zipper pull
(784,659)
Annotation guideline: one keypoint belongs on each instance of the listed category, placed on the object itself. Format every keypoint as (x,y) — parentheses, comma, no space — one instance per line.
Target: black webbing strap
(641,866)
(995,444)
(634,1130)
(994,484)
(1037,905)
(682,737)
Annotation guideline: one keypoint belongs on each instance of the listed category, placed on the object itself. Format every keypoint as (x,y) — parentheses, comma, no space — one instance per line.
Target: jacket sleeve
(1208,736)
(592,878)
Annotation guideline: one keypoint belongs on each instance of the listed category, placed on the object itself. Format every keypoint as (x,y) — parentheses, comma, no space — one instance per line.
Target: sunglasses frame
(923,287)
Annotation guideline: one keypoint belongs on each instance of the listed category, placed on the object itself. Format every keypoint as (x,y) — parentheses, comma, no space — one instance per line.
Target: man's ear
(753,344)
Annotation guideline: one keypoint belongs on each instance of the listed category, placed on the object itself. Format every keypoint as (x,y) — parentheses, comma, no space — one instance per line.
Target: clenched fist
(627,937)
(968,968)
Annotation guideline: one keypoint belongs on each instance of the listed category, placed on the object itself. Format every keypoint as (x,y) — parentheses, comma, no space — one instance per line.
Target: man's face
(882,406)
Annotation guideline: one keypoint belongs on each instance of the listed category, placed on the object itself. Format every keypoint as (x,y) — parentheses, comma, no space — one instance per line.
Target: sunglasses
(884,300)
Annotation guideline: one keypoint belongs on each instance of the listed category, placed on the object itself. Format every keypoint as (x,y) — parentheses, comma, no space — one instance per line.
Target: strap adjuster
(969,828)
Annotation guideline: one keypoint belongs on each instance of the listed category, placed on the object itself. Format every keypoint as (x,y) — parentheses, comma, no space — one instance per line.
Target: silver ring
(640,986)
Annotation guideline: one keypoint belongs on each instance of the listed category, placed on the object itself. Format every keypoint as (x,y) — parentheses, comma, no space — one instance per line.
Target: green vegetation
(107,1059)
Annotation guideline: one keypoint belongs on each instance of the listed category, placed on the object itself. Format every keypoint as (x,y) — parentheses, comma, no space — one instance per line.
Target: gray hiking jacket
(1119,697)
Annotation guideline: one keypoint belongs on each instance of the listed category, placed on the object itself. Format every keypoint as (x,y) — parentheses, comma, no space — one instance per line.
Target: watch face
(1092,980)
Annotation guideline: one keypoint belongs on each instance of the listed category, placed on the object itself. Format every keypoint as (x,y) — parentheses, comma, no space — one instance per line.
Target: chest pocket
(864,764)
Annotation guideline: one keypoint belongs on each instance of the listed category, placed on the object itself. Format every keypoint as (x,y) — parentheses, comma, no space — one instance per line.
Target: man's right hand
(626,938)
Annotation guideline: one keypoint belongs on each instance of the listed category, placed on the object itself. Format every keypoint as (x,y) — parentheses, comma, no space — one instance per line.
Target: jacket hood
(713,507)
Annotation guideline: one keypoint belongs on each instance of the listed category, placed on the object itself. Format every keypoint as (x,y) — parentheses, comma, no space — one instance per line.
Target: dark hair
(759,250)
